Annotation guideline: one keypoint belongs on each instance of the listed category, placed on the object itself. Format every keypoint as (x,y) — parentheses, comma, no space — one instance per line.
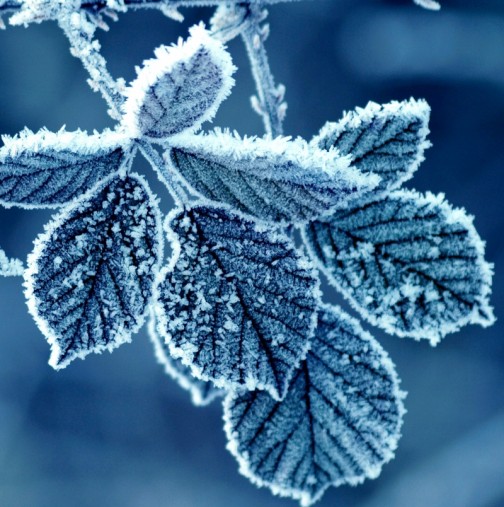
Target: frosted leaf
(10,267)
(276,180)
(410,264)
(428,4)
(388,140)
(90,276)
(202,393)
(338,424)
(180,88)
(238,302)
(47,169)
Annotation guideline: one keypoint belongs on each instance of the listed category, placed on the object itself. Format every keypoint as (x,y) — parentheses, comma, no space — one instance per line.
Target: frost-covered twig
(80,33)
(97,6)
(269,101)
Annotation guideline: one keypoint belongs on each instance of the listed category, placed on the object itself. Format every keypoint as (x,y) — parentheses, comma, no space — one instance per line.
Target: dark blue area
(114,430)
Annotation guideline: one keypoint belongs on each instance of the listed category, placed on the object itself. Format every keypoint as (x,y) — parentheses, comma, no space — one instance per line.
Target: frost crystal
(202,393)
(408,263)
(338,424)
(10,267)
(90,276)
(387,140)
(180,88)
(46,169)
(238,302)
(276,180)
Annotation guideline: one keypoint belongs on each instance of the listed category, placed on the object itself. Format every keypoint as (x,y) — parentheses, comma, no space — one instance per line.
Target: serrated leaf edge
(32,301)
(452,215)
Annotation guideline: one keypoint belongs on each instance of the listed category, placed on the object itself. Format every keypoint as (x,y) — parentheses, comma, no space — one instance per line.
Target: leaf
(10,267)
(276,180)
(202,393)
(46,169)
(237,303)
(338,424)
(180,88)
(408,263)
(90,276)
(387,140)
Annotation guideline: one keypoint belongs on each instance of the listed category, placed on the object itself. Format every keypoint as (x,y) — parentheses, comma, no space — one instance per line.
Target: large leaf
(276,180)
(91,274)
(387,140)
(180,88)
(202,393)
(338,424)
(46,169)
(238,302)
(408,263)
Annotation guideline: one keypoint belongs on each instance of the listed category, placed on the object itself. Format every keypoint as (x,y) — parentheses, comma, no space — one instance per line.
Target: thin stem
(270,105)
(176,189)
(83,46)
(100,6)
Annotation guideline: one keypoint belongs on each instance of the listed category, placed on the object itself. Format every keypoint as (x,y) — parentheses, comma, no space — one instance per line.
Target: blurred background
(114,430)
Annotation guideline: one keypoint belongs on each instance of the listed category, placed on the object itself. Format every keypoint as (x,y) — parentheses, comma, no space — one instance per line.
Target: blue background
(113,430)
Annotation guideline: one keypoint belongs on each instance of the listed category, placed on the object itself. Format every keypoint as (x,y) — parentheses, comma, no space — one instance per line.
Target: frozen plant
(310,398)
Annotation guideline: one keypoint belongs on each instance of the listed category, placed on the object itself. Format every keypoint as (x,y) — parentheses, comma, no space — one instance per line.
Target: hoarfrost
(47,169)
(225,260)
(10,267)
(180,88)
(278,180)
(425,275)
(387,140)
(338,424)
(202,393)
(87,285)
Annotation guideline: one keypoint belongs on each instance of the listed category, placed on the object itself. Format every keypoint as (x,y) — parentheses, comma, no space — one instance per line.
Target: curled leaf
(277,180)
(408,263)
(180,88)
(387,140)
(238,303)
(338,424)
(47,169)
(90,276)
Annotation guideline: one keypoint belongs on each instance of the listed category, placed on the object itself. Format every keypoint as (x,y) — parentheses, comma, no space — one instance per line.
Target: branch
(269,101)
(101,6)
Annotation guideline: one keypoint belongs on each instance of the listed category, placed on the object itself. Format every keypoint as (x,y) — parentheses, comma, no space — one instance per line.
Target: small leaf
(276,180)
(180,88)
(238,302)
(10,267)
(202,393)
(410,264)
(46,169)
(387,140)
(338,424)
(91,273)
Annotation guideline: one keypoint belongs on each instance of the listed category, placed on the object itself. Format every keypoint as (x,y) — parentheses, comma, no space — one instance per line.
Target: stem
(270,106)
(176,189)
(97,6)
(82,46)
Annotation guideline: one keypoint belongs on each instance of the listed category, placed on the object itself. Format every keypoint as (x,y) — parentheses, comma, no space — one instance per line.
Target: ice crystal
(338,424)
(238,303)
